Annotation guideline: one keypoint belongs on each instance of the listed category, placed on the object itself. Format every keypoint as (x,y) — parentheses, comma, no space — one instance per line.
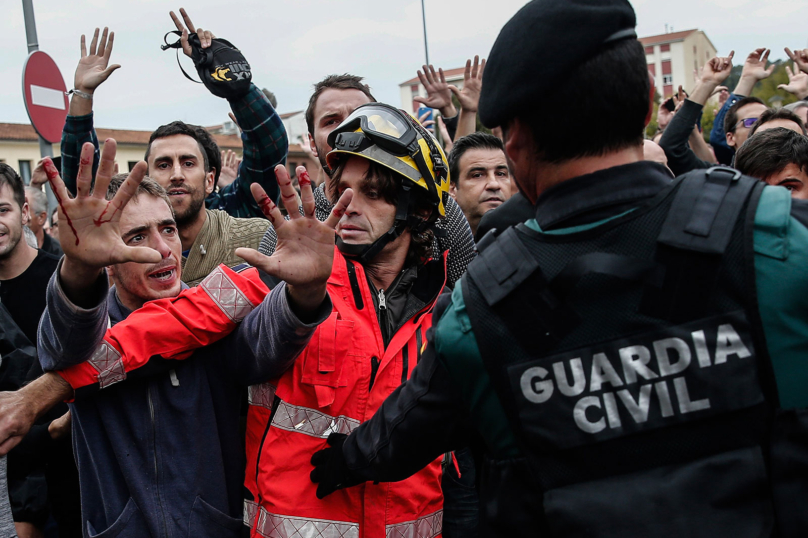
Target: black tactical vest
(631,363)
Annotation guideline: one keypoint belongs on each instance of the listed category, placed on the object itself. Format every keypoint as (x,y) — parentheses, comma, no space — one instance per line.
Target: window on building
(666,67)
(652,69)
(649,50)
(665,48)
(25,171)
(131,164)
(667,79)
(667,91)
(415,89)
(694,49)
(292,167)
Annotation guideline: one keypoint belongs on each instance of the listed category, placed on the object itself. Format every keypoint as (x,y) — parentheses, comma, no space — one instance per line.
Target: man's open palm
(92,235)
(305,250)
(94,68)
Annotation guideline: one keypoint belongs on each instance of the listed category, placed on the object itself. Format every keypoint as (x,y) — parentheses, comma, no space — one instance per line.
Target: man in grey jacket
(158,444)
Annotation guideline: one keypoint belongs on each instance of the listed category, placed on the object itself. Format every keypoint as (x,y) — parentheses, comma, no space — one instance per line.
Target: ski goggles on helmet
(391,137)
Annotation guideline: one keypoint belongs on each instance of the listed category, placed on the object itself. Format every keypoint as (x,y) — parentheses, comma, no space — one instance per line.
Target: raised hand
(469,96)
(799,57)
(230,163)
(205,36)
(94,68)
(755,64)
(438,91)
(448,144)
(797,84)
(91,235)
(717,70)
(305,251)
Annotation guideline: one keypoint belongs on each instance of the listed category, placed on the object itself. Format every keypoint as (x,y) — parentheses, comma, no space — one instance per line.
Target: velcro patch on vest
(681,373)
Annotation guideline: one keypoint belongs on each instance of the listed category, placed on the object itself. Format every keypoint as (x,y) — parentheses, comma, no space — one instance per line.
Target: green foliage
(652,127)
(707,121)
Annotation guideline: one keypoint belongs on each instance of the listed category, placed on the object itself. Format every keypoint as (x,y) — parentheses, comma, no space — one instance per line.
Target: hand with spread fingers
(754,70)
(230,164)
(305,250)
(797,83)
(187,27)
(94,68)
(438,92)
(91,239)
(799,57)
(469,96)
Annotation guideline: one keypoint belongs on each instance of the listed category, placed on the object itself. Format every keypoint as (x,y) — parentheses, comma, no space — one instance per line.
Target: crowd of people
(521,330)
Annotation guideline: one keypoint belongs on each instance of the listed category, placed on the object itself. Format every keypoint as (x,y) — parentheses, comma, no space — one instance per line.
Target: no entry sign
(44,89)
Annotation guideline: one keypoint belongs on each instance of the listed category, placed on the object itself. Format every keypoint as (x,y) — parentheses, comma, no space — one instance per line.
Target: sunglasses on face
(748,123)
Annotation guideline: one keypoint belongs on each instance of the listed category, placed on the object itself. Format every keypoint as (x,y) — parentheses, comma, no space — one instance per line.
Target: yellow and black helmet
(395,140)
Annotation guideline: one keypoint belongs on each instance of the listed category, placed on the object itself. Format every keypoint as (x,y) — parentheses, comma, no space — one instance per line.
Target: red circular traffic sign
(44,91)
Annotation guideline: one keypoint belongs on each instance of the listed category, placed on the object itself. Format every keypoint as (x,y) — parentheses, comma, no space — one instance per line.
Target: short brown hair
(335,82)
(10,177)
(148,186)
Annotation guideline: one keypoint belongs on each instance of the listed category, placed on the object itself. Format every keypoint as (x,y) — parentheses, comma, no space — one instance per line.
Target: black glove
(221,67)
(330,470)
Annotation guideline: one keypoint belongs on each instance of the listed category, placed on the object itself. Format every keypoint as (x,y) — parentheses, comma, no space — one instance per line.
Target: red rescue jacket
(329,390)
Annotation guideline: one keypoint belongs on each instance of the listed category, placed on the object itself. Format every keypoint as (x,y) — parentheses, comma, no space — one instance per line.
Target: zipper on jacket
(374,369)
(383,324)
(156,471)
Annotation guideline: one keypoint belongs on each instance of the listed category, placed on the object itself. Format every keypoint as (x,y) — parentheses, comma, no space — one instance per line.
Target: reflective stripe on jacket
(337,383)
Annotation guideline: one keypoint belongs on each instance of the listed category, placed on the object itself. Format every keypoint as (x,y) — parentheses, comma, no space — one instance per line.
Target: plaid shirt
(265,146)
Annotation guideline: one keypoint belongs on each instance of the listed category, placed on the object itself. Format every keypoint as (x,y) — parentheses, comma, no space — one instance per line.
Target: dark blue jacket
(160,454)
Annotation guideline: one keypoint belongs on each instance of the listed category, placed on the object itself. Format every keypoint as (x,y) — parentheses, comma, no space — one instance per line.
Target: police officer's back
(631,361)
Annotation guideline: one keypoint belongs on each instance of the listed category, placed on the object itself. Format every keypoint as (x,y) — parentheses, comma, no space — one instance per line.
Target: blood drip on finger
(267,206)
(303,179)
(100,220)
(50,170)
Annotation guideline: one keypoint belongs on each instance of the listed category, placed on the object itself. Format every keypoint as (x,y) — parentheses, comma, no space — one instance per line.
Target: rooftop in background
(451,74)
(666,38)
(24,132)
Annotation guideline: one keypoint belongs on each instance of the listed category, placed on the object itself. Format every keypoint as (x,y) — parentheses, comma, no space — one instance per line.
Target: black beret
(544,41)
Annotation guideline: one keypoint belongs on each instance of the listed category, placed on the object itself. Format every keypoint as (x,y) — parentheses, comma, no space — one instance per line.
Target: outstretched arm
(262,133)
(272,335)
(93,69)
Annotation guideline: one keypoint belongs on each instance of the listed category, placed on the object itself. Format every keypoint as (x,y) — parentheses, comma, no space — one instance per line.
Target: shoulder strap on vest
(691,245)
(706,209)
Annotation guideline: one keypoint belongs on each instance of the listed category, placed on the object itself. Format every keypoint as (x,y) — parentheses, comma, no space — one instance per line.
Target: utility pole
(45,147)
(423,16)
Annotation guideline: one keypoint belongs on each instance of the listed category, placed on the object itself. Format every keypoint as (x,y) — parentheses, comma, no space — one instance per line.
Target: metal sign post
(45,147)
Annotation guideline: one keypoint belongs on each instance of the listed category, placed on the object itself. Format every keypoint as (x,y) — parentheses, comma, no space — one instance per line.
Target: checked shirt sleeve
(169,329)
(265,146)
(77,131)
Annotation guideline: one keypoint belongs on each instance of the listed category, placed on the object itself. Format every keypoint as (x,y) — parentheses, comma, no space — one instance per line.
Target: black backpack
(221,67)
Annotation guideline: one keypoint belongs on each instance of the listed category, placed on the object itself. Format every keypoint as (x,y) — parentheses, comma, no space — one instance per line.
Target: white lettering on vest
(612,414)
(663,347)
(603,372)
(729,343)
(635,361)
(536,391)
(639,409)
(702,353)
(682,395)
(664,395)
(578,377)
(579,414)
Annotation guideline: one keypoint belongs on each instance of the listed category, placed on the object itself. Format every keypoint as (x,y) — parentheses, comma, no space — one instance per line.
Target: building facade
(674,58)
(413,88)
(19,146)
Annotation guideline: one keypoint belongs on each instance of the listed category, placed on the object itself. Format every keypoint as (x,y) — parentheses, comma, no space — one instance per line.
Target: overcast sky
(292,44)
